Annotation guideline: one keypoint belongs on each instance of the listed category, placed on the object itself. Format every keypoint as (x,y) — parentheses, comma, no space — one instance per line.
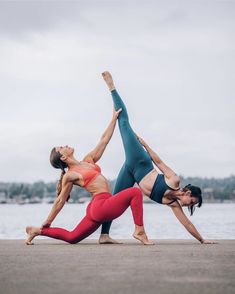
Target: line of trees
(38,190)
(213,189)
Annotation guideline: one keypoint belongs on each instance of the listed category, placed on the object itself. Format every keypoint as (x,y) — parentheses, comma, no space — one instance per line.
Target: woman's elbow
(104,141)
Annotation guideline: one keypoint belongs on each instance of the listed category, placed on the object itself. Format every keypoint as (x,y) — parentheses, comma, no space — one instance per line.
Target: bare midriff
(98,185)
(146,184)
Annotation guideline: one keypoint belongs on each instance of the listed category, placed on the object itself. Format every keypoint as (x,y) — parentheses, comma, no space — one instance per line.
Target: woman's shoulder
(174,181)
(71,176)
(88,159)
(91,162)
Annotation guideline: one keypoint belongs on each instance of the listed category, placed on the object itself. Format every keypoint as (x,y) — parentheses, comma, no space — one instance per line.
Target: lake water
(213,221)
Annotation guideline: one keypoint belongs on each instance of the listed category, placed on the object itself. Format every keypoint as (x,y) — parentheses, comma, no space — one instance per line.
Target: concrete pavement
(170,266)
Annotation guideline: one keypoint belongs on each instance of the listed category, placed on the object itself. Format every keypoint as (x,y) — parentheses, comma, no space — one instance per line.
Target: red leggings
(103,207)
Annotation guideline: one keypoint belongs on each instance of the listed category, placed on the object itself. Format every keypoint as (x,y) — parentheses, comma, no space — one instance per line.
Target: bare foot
(32,233)
(105,239)
(142,237)
(109,80)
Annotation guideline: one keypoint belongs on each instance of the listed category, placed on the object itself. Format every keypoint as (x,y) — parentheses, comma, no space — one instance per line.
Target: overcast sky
(173,63)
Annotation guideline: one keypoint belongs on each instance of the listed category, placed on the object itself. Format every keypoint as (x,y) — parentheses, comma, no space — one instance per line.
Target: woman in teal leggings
(161,185)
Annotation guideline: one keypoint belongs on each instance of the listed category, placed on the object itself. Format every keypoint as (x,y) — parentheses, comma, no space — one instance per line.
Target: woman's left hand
(208,242)
(116,113)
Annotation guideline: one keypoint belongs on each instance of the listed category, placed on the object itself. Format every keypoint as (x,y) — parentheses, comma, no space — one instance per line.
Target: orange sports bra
(88,174)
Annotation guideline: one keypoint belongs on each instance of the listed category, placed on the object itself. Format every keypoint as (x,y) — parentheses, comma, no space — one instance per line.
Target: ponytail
(56,162)
(59,184)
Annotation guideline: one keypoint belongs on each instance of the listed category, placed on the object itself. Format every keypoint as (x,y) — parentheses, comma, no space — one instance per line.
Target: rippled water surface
(214,221)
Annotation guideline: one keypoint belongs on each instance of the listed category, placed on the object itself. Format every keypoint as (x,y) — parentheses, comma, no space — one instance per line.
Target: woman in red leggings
(103,207)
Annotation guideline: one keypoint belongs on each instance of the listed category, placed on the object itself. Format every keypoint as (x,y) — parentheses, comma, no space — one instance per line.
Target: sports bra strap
(172,202)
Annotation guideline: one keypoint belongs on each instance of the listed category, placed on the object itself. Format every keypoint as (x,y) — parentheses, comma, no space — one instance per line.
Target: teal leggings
(137,163)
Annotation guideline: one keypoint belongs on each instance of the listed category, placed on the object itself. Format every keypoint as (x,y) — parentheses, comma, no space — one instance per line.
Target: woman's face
(65,150)
(187,200)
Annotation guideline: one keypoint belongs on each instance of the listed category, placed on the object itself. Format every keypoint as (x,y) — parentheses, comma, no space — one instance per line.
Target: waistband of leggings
(102,195)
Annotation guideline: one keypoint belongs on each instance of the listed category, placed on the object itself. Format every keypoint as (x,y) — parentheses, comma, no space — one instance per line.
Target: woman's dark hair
(195,192)
(56,162)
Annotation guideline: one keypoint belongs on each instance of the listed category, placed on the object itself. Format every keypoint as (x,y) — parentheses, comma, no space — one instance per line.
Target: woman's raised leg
(138,163)
(137,159)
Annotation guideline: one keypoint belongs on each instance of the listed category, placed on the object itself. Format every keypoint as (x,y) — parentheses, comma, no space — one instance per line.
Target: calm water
(214,221)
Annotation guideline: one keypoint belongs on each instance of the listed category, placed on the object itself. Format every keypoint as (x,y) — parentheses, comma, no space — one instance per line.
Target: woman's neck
(72,161)
(177,193)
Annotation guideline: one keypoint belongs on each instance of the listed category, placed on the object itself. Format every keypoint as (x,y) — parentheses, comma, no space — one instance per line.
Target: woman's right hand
(116,113)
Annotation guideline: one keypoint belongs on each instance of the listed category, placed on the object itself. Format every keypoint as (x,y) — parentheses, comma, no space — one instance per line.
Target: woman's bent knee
(137,191)
(72,239)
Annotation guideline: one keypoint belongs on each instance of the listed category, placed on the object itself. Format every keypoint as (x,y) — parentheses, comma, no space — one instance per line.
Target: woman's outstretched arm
(166,170)
(98,151)
(179,213)
(59,201)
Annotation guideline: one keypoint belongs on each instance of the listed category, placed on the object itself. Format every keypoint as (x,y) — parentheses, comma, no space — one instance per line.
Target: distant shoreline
(214,190)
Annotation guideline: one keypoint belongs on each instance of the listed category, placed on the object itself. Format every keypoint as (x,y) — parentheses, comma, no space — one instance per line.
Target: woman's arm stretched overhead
(98,151)
(166,170)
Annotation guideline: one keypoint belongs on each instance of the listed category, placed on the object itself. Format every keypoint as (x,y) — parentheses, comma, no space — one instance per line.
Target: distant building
(208,194)
(3,198)
(233,195)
